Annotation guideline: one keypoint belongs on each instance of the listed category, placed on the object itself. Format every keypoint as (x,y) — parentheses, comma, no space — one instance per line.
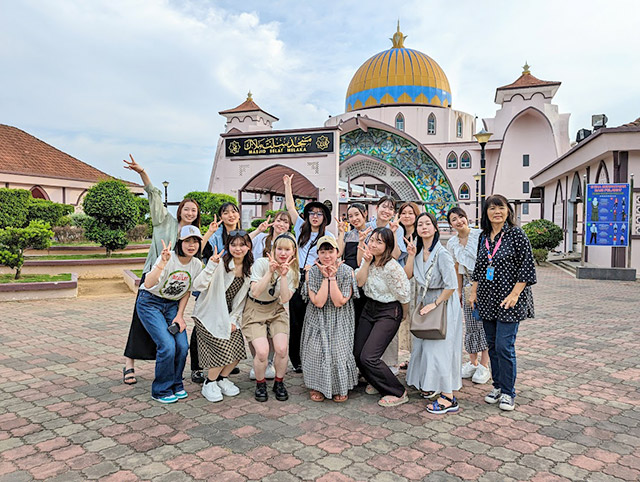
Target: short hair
(360,207)
(436,236)
(495,200)
(385,199)
(180,252)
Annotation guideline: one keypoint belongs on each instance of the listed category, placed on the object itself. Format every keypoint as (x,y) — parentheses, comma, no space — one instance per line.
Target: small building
(28,163)
(608,155)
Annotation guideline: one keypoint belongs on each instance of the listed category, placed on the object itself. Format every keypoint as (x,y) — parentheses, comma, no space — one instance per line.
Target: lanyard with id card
(491,269)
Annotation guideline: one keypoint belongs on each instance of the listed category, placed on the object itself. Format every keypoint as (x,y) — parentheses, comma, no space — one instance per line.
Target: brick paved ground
(65,415)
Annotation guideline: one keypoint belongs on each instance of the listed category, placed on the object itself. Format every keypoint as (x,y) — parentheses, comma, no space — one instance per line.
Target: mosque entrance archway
(574,213)
(265,191)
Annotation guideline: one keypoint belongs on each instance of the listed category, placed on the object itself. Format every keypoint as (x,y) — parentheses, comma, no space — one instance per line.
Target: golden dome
(398,76)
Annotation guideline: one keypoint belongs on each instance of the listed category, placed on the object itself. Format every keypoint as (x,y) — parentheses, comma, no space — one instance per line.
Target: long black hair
(222,209)
(496,200)
(248,258)
(305,230)
(436,236)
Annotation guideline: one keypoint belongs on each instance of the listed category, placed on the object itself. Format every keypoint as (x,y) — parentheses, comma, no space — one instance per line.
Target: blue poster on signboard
(607,222)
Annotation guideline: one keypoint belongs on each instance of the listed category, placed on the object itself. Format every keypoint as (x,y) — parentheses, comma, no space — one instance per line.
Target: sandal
(430,395)
(392,401)
(403,365)
(340,398)
(370,390)
(439,408)
(316,396)
(129,376)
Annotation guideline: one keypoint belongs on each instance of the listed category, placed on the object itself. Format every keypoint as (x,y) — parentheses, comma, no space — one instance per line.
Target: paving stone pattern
(65,415)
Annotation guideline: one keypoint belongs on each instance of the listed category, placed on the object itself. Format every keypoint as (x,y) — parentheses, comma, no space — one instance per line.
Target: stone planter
(40,291)
(131,280)
(84,268)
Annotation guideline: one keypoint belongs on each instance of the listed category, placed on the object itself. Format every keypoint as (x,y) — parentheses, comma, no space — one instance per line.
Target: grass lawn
(85,256)
(137,272)
(33,278)
(90,243)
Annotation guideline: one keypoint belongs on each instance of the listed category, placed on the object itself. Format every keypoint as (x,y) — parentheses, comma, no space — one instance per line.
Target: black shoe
(297,369)
(261,392)
(235,371)
(280,391)
(197,376)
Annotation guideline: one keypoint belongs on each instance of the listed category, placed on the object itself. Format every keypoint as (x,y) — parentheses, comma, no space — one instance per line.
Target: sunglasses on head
(238,232)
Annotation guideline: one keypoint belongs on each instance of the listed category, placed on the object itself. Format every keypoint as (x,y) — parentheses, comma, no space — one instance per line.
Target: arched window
(38,193)
(452,161)
(465,160)
(400,122)
(602,176)
(459,127)
(431,124)
(463,192)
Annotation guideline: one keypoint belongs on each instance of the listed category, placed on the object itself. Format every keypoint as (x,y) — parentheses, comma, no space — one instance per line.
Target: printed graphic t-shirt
(176,278)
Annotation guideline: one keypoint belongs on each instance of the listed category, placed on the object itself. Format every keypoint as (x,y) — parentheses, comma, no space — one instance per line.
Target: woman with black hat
(308,229)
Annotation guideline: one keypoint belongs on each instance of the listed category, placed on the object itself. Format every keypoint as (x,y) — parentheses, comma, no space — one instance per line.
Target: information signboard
(607,213)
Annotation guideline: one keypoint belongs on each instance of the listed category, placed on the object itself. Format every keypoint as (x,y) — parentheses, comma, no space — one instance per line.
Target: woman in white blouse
(464,249)
(387,287)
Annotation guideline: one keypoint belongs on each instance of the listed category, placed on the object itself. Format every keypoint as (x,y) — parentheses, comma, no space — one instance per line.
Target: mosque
(401,135)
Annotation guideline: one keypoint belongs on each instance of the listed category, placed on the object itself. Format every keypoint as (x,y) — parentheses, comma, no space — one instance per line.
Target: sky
(100,79)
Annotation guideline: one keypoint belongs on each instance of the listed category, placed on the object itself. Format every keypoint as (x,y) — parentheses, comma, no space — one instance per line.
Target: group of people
(334,306)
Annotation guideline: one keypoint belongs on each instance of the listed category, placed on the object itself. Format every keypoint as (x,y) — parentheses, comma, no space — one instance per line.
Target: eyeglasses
(238,232)
(316,214)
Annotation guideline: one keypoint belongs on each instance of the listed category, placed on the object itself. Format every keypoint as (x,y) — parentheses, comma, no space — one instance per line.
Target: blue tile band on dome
(395,91)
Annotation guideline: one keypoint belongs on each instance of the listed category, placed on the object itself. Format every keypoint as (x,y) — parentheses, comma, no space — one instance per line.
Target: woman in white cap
(160,305)
(328,365)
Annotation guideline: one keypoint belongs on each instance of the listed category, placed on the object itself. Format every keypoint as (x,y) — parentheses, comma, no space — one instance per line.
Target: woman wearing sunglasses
(220,342)
(308,229)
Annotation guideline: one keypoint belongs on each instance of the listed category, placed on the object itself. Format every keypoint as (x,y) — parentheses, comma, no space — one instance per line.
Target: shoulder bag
(433,325)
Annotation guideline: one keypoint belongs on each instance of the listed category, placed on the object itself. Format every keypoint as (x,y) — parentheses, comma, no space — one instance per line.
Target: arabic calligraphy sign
(283,144)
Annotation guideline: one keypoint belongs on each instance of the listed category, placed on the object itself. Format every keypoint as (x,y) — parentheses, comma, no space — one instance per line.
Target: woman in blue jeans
(160,306)
(502,280)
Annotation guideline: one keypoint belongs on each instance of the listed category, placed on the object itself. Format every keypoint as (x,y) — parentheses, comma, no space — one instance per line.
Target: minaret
(248,117)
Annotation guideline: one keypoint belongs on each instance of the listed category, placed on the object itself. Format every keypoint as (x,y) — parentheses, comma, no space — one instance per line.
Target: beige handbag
(433,325)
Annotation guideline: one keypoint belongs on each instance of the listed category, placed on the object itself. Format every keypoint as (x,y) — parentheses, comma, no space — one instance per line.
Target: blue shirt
(309,251)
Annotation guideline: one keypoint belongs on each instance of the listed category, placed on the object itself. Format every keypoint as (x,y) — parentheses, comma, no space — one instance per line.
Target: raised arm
(288,196)
(134,166)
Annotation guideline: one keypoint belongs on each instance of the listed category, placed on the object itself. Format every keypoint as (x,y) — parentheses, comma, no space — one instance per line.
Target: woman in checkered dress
(463,246)
(328,365)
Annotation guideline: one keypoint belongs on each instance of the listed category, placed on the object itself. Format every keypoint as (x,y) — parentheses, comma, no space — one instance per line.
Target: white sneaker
(211,391)
(468,369)
(482,374)
(252,374)
(270,372)
(507,402)
(493,396)
(228,388)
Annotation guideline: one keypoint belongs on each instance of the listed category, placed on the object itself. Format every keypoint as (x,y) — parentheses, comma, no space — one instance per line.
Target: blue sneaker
(166,399)
(181,394)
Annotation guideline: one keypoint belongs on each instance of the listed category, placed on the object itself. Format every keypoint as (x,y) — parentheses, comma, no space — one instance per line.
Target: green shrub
(113,210)
(138,233)
(47,211)
(543,234)
(13,242)
(64,221)
(540,255)
(14,203)
(79,219)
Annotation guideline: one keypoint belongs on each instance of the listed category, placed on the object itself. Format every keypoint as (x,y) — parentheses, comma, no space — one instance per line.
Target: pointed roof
(527,80)
(247,106)
(22,153)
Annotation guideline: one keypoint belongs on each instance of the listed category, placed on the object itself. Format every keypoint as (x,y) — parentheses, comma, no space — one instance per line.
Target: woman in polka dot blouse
(501,290)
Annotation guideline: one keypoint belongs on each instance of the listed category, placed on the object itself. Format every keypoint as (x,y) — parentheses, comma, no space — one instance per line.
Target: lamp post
(166,185)
(482,137)
(476,177)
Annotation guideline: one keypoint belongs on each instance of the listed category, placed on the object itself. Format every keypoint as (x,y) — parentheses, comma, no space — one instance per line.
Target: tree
(113,210)
(14,210)
(543,234)
(13,242)
(209,203)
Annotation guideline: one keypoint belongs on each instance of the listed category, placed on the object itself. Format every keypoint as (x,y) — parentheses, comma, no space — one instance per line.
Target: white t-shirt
(258,245)
(176,278)
(258,270)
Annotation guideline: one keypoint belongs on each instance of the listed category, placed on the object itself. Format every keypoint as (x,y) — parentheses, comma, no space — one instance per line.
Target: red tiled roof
(21,153)
(528,80)
(635,123)
(247,106)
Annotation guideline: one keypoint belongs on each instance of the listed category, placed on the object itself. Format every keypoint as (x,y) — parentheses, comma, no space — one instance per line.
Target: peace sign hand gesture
(287,180)
(366,253)
(213,227)
(165,255)
(411,247)
(273,264)
(322,268)
(284,268)
(394,224)
(263,226)
(215,257)
(362,235)
(133,165)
